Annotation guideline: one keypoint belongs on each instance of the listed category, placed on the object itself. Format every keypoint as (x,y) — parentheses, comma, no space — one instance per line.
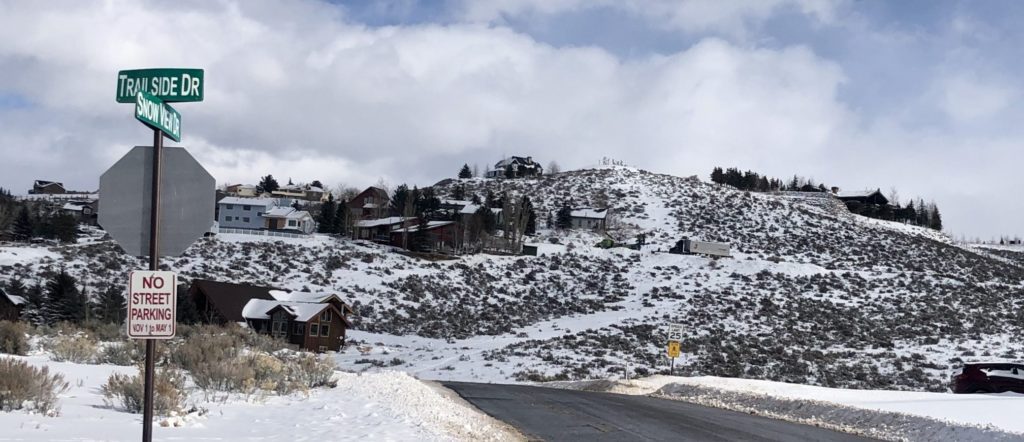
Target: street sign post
(152,305)
(169,85)
(154,113)
(123,196)
(675,337)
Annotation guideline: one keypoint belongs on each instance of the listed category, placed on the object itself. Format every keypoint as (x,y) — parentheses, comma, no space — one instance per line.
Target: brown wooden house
(10,306)
(312,321)
(313,326)
(371,203)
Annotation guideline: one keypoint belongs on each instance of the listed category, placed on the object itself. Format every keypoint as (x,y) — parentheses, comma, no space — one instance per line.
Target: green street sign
(169,85)
(156,114)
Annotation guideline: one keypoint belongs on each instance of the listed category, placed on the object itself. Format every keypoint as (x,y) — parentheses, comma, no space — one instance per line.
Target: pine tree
(64,302)
(64,227)
(267,184)
(934,219)
(459,192)
(550,221)
(399,198)
(717,176)
(564,218)
(111,306)
(465,172)
(34,310)
(23,226)
(328,210)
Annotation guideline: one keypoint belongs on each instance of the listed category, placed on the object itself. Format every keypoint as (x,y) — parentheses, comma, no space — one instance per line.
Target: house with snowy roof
(515,167)
(588,218)
(10,306)
(44,187)
(437,236)
(380,229)
(311,321)
(862,196)
(263,214)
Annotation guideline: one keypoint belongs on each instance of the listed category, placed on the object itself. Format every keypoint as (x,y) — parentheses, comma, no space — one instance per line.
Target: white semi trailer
(691,247)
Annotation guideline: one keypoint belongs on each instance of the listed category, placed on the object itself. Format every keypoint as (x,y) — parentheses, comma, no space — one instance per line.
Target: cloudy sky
(923,96)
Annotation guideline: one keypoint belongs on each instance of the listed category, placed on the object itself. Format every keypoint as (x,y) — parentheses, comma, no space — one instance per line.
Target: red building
(440,236)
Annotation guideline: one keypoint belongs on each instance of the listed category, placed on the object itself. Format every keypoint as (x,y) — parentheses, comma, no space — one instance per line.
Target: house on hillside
(10,306)
(861,196)
(242,190)
(301,192)
(43,187)
(263,214)
(587,218)
(379,230)
(441,236)
(84,211)
(372,203)
(243,213)
(312,321)
(287,218)
(515,167)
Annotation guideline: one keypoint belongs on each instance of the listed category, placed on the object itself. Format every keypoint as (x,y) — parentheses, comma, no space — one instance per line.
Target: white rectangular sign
(675,332)
(152,305)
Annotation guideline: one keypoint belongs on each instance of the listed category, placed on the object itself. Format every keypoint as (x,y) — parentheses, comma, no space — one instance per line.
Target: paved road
(566,415)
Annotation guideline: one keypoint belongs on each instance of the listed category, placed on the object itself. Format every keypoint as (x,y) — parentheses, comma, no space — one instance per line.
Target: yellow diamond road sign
(673,349)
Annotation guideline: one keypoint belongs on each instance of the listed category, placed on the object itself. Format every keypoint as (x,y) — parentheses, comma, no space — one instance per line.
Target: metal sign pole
(154,265)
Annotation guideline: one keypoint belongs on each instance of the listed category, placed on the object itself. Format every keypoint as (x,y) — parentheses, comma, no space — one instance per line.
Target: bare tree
(476,170)
(894,196)
(553,168)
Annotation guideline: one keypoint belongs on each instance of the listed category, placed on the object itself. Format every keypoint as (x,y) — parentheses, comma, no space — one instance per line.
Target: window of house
(229,206)
(314,330)
(299,328)
(291,223)
(246,207)
(325,316)
(245,219)
(325,330)
(227,218)
(259,214)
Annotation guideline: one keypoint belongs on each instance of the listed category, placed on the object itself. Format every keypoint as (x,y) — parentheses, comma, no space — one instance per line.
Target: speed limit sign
(675,332)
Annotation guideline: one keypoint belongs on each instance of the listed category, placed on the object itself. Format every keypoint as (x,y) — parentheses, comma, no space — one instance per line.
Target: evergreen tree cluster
(334,216)
(415,202)
(754,181)
(24,220)
(916,213)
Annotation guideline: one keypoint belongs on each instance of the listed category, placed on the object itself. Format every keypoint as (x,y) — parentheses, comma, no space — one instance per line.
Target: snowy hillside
(813,294)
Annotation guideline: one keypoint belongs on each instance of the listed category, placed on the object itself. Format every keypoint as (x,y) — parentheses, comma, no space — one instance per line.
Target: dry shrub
(128,391)
(122,353)
(78,349)
(23,386)
(312,371)
(13,338)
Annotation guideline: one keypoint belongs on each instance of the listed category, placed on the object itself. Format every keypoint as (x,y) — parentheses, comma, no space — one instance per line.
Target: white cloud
(732,18)
(966,96)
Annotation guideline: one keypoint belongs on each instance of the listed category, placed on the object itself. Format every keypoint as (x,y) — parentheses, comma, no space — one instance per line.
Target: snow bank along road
(557,415)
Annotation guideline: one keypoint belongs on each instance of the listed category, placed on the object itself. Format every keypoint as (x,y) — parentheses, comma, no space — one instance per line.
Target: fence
(254,232)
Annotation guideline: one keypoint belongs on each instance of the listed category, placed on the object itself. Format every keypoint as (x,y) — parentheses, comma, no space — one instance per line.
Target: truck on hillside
(688,246)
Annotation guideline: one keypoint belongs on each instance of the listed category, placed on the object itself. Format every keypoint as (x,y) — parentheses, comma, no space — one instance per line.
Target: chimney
(835,190)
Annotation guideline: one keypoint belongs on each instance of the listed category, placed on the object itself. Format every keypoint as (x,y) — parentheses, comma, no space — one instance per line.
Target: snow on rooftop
(382,221)
(265,202)
(16,300)
(590,213)
(856,193)
(282,295)
(430,225)
(303,311)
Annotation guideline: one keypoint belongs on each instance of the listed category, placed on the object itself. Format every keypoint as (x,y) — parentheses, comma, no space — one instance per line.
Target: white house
(588,218)
(287,218)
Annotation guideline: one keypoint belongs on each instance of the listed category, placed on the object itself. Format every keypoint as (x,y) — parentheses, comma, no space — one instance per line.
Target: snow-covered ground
(380,406)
